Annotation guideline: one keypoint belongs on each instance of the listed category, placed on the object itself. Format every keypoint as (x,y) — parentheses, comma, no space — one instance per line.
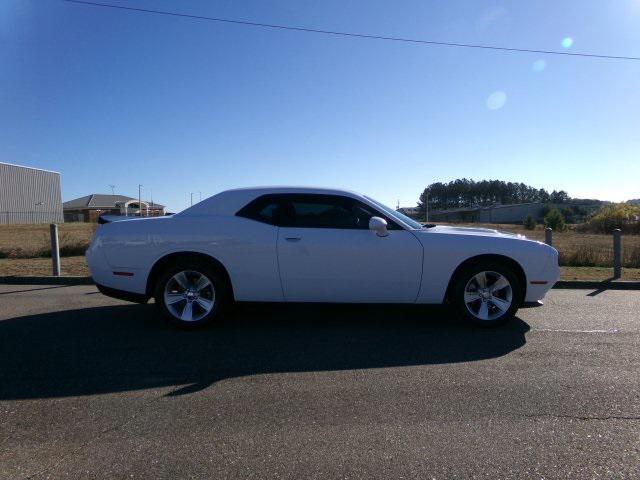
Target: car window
(265,209)
(268,211)
(394,213)
(312,211)
(325,212)
(328,211)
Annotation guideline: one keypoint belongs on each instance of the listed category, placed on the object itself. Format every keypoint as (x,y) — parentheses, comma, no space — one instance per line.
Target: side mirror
(378,225)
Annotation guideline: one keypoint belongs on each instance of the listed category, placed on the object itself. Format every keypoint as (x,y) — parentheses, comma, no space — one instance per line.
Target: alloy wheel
(189,296)
(488,295)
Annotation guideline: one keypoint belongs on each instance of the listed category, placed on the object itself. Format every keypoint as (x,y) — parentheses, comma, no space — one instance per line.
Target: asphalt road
(96,388)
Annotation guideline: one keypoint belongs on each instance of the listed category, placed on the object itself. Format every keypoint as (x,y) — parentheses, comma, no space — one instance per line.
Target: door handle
(293,239)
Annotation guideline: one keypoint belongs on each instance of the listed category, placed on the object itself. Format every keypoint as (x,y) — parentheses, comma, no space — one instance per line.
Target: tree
(530,222)
(466,193)
(559,197)
(544,195)
(554,220)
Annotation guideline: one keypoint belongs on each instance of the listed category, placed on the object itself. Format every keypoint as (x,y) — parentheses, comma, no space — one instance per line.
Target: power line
(356,35)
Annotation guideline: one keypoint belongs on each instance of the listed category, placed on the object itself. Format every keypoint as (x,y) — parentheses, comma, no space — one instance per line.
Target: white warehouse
(29,195)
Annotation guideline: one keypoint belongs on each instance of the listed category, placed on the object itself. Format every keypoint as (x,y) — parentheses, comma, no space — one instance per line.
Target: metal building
(29,195)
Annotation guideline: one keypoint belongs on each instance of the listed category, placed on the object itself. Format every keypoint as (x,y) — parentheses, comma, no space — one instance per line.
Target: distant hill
(635,201)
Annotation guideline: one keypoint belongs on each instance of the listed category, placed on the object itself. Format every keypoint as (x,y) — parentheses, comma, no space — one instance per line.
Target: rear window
(263,209)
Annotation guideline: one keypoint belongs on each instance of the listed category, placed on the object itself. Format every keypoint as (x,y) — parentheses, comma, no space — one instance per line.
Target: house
(90,207)
(29,195)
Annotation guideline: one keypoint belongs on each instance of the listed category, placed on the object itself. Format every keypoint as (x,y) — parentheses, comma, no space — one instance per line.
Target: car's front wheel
(190,295)
(487,294)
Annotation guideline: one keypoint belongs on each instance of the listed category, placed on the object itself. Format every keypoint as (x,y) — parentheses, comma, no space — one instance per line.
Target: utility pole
(139,200)
(199,196)
(192,199)
(113,187)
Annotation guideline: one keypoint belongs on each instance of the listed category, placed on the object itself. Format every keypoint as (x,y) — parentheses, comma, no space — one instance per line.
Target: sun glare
(567,42)
(539,65)
(496,100)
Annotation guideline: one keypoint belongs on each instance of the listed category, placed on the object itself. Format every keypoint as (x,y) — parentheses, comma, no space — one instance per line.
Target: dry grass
(42,266)
(597,273)
(32,241)
(579,249)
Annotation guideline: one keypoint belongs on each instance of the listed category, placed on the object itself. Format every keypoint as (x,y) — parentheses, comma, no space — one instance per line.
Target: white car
(287,244)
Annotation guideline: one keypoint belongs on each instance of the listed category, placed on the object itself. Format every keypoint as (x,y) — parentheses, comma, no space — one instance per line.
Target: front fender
(443,253)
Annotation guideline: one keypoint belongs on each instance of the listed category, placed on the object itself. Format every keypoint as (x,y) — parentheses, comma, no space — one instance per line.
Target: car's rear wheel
(487,294)
(191,295)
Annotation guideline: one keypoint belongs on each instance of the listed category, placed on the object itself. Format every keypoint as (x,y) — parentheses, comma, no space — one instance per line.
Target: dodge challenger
(288,244)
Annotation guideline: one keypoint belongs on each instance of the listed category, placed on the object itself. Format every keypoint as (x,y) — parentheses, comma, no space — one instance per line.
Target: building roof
(507,205)
(454,210)
(100,200)
(486,207)
(30,168)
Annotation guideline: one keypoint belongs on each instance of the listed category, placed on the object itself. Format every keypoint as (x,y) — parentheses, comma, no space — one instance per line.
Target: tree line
(463,193)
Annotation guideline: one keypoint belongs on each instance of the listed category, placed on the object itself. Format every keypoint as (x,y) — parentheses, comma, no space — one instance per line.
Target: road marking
(612,330)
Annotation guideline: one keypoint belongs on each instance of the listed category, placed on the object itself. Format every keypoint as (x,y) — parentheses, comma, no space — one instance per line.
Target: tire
(191,294)
(489,303)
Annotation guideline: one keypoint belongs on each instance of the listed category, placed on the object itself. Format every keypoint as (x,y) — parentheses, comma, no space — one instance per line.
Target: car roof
(230,201)
(292,189)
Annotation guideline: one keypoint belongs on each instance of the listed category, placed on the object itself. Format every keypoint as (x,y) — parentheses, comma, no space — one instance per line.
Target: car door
(326,253)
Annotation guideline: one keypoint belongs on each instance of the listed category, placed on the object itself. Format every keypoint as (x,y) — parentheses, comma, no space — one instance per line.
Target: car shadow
(129,347)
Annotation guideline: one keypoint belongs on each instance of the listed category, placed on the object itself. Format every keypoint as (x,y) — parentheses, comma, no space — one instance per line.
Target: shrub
(70,249)
(624,216)
(567,213)
(554,220)
(631,257)
(545,210)
(583,256)
(530,222)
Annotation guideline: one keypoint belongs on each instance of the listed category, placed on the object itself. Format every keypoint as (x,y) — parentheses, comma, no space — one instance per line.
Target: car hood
(473,231)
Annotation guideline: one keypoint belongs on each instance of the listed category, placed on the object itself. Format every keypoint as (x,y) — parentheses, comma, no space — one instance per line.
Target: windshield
(395,214)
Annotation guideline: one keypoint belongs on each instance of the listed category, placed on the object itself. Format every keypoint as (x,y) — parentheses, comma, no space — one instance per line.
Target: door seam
(284,299)
(415,300)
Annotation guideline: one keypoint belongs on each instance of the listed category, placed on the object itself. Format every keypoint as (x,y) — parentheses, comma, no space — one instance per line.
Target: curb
(35,280)
(597,285)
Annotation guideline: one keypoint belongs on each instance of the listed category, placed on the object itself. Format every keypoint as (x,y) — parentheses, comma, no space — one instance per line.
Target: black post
(617,253)
(548,236)
(55,250)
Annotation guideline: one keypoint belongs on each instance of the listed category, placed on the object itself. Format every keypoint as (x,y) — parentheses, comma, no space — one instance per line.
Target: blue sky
(112,97)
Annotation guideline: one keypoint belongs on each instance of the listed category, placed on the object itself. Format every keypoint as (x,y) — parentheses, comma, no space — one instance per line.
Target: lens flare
(567,42)
(539,65)
(496,100)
